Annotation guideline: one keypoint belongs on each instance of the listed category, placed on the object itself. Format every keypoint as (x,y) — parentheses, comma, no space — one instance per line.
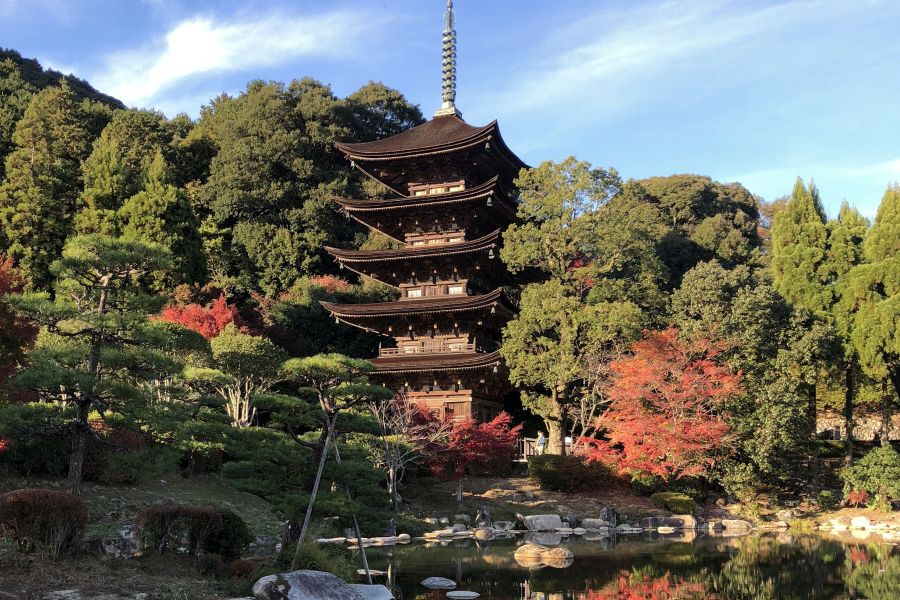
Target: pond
(629,567)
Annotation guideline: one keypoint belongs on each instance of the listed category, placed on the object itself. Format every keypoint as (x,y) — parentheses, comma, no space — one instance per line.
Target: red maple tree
(331,283)
(208,321)
(16,333)
(666,414)
(472,448)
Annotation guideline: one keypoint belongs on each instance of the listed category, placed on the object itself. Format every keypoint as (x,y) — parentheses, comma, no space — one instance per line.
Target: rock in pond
(542,522)
(737,525)
(860,523)
(596,524)
(304,585)
(372,592)
(535,555)
(461,595)
(439,583)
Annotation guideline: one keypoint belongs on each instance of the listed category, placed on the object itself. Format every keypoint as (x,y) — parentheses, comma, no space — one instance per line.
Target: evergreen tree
(97,341)
(15,94)
(845,251)
(38,199)
(799,251)
(875,289)
(161,214)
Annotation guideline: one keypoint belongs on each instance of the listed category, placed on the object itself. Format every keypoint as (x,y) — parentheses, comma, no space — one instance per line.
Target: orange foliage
(666,412)
(16,334)
(486,447)
(331,283)
(634,587)
(208,321)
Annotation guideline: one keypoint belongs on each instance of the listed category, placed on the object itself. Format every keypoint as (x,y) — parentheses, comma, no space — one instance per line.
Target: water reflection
(764,566)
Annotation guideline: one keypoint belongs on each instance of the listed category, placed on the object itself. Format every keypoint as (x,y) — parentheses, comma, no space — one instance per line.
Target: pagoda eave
(459,361)
(494,300)
(484,243)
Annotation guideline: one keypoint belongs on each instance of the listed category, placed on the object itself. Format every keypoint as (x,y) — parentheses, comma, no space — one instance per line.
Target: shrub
(231,538)
(878,472)
(566,473)
(857,498)
(241,569)
(196,528)
(647,485)
(43,520)
(38,439)
(328,558)
(826,500)
(132,466)
(675,502)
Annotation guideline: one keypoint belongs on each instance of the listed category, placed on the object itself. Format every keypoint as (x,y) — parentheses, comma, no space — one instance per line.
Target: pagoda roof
(450,361)
(420,306)
(437,136)
(487,189)
(414,252)
(388,158)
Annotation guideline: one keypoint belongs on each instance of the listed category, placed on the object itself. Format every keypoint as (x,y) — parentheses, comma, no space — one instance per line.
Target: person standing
(540,443)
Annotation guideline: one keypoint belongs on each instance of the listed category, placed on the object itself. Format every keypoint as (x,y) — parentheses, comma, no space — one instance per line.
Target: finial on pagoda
(448,66)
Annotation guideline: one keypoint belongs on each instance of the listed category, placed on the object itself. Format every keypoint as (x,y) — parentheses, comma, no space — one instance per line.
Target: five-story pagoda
(454,197)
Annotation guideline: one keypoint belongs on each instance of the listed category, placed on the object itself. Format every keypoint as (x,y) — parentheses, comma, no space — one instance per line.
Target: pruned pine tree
(96,341)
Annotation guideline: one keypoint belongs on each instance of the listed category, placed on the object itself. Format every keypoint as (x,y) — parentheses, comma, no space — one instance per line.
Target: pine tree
(38,199)
(96,339)
(161,214)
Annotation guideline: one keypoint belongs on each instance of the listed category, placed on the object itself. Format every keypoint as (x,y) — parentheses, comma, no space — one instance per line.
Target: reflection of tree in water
(639,584)
(764,568)
(873,573)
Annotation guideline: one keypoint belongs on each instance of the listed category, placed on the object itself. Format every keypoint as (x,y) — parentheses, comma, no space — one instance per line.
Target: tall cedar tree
(845,251)
(97,339)
(16,334)
(666,414)
(800,260)
(116,167)
(476,448)
(208,321)
(161,213)
(43,180)
(15,94)
(875,288)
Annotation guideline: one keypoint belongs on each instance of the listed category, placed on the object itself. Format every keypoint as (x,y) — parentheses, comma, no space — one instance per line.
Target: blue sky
(751,91)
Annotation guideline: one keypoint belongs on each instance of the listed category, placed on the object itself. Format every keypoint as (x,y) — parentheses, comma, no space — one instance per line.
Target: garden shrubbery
(675,502)
(567,473)
(878,473)
(43,520)
(195,528)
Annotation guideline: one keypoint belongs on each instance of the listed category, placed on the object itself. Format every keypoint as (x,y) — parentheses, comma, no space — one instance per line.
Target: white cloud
(203,45)
(602,62)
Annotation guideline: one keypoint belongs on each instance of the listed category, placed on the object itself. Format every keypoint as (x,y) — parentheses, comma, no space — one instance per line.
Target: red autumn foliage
(208,321)
(330,283)
(473,448)
(4,444)
(857,498)
(631,586)
(859,555)
(666,412)
(16,333)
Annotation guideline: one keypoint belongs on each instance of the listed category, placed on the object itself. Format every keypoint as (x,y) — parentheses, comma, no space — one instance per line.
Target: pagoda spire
(448,66)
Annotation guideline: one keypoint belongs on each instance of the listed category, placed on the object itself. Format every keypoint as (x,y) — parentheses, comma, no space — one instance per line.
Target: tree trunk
(811,408)
(392,486)
(307,518)
(556,422)
(849,395)
(886,404)
(459,494)
(79,441)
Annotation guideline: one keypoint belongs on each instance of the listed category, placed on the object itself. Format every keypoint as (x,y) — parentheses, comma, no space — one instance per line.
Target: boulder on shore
(306,585)
(542,522)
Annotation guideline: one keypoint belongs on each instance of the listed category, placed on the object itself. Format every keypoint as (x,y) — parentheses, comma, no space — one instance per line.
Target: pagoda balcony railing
(428,348)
